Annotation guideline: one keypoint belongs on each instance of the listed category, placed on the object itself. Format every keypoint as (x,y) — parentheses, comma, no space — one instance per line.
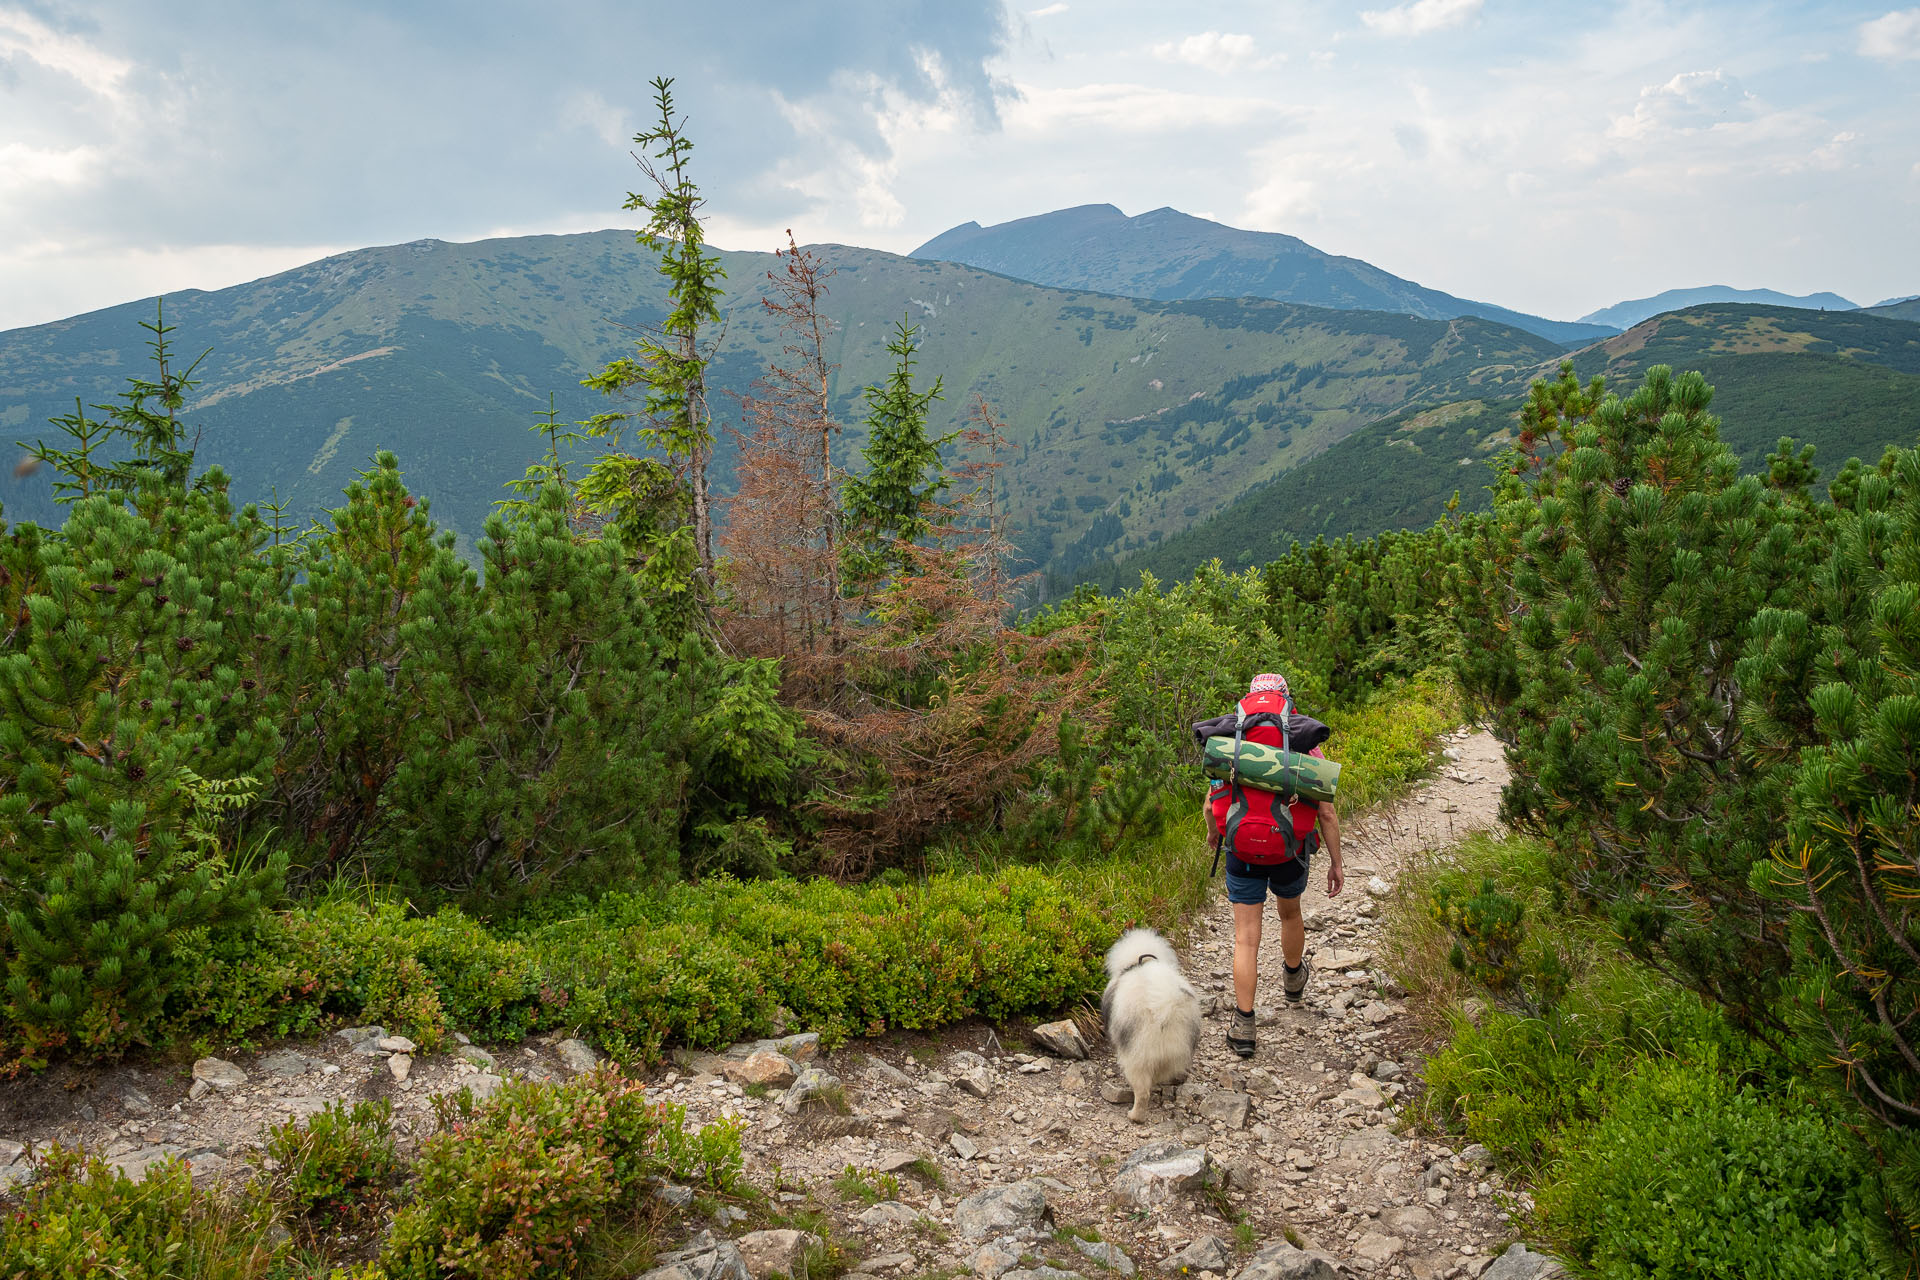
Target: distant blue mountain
(1625,315)
(1170,256)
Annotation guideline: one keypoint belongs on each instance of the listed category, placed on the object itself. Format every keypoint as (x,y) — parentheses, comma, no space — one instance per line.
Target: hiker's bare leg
(1293,932)
(1246,952)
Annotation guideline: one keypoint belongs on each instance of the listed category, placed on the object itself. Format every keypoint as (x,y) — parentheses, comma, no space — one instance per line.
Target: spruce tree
(889,507)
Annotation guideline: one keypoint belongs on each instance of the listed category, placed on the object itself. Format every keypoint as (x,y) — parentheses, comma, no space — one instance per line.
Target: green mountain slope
(1846,382)
(1905,309)
(1167,255)
(1130,419)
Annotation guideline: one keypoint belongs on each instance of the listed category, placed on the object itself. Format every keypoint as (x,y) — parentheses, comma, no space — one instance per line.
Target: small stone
(1378,1249)
(360,1035)
(1340,959)
(1364,1093)
(1474,1010)
(1043,1273)
(895,1161)
(1521,1263)
(1062,1038)
(1208,1253)
(329,1069)
(11,1151)
(134,1102)
(1281,1261)
(396,1044)
(890,1213)
(217,1073)
(1378,888)
(674,1197)
(889,1262)
(199,1090)
(1387,1069)
(475,1054)
(963,1146)
(771,1070)
(1476,1156)
(1260,1083)
(704,1258)
(1116,1093)
(808,1086)
(887,1073)
(1078,1077)
(1015,1208)
(576,1055)
(136,1163)
(996,1257)
(769,1252)
(1110,1256)
(1377,1012)
(977,1081)
(1156,1173)
(286,1064)
(483,1086)
(1230,1109)
(401,1065)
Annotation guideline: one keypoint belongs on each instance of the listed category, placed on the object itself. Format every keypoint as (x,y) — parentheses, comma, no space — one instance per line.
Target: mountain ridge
(1624,315)
(1167,255)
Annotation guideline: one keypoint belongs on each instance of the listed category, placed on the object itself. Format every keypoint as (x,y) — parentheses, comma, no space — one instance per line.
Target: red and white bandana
(1270,683)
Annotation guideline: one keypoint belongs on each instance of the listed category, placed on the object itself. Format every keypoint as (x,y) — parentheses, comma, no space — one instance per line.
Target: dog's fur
(1151,1015)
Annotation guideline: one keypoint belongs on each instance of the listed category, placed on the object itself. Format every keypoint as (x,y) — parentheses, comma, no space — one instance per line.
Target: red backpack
(1262,827)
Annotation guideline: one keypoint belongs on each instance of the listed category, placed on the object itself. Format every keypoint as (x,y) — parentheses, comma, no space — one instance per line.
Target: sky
(1548,156)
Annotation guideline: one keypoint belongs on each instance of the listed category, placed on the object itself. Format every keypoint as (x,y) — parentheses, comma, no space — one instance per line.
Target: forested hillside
(1132,419)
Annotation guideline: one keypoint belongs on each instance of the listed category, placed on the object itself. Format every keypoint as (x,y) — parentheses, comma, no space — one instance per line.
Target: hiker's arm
(1330,833)
(1213,826)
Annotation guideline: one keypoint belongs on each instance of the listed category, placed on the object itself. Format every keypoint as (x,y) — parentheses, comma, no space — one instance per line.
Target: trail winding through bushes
(1301,1140)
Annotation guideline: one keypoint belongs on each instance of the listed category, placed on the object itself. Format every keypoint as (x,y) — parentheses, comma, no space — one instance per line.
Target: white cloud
(1216,51)
(32,167)
(586,109)
(1046,11)
(1894,37)
(1126,108)
(23,35)
(1688,102)
(1420,17)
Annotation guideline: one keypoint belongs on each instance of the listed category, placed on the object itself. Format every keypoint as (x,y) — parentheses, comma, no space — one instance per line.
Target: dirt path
(1303,1134)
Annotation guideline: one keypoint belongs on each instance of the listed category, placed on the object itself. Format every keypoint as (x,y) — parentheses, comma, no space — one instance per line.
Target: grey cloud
(363,122)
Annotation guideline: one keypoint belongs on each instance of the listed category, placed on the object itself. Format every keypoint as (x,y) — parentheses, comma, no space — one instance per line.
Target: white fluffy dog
(1151,1014)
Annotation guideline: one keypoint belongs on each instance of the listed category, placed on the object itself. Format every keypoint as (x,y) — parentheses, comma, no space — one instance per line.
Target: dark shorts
(1248,883)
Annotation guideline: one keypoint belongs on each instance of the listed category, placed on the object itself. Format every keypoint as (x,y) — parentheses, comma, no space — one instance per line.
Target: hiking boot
(1294,981)
(1240,1033)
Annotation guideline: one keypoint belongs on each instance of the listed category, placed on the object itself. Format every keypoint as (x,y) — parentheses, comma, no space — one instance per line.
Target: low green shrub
(1688,1175)
(509,1188)
(333,1171)
(1385,745)
(82,1219)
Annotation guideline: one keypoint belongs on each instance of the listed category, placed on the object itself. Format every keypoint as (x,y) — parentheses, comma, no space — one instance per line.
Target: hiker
(1279,840)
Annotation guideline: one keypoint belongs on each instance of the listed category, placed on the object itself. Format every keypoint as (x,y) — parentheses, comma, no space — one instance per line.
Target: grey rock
(484,1085)
(577,1055)
(1079,1077)
(780,1252)
(1378,1248)
(17,1174)
(360,1035)
(806,1087)
(1281,1261)
(771,1070)
(1521,1263)
(1367,1142)
(1261,1083)
(1116,1093)
(1410,1220)
(476,1055)
(889,1262)
(1477,1156)
(672,1196)
(198,1090)
(401,1065)
(699,1063)
(977,1081)
(1229,1109)
(996,1257)
(1159,1171)
(1387,1069)
(895,1161)
(208,1169)
(134,1102)
(1208,1253)
(704,1258)
(396,1044)
(1106,1254)
(726,1215)
(136,1163)
(887,1073)
(218,1073)
(1062,1038)
(890,1213)
(801,1048)
(963,1060)
(963,1146)
(11,1151)
(287,1063)
(1019,1207)
(1042,1273)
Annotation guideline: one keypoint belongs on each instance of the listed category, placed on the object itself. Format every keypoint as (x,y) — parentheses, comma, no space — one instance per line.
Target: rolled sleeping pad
(1271,769)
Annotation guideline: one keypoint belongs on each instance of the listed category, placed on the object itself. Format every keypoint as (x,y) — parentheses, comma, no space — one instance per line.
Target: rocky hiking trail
(1003,1152)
